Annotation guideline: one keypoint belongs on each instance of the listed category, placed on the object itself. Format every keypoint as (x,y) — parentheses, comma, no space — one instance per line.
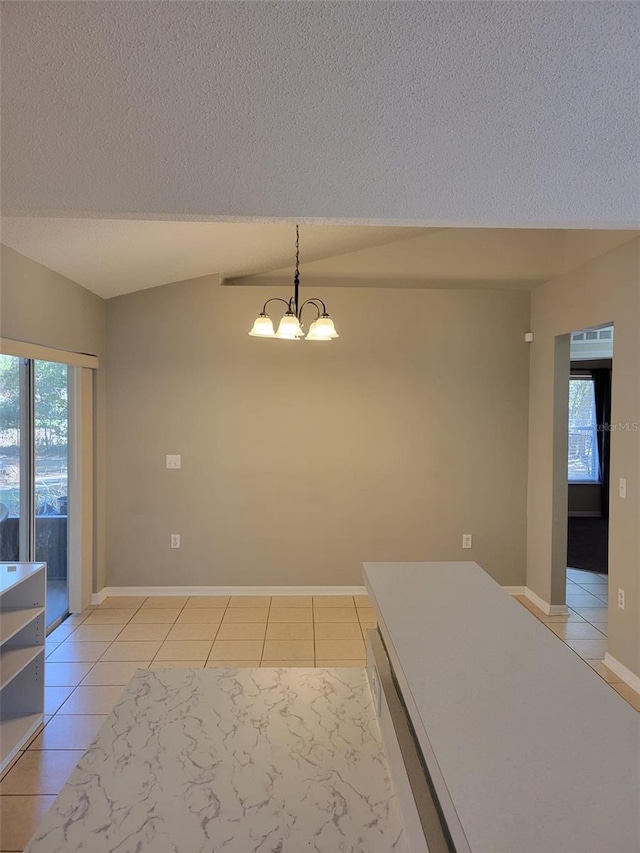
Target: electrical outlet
(175,540)
(466,540)
(621,599)
(174,461)
(622,489)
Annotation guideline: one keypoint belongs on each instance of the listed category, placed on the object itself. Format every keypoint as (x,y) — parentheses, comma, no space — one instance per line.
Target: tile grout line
(175,622)
(215,636)
(313,633)
(266,628)
(93,663)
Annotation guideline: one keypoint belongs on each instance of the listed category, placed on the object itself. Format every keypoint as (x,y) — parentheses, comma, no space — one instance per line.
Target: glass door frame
(81,462)
(27,528)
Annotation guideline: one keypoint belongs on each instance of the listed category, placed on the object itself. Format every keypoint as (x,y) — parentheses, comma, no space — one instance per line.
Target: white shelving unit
(23,589)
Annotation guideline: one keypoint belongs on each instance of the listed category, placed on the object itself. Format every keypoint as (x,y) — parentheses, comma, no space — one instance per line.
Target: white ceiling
(440,257)
(454,258)
(431,113)
(111,257)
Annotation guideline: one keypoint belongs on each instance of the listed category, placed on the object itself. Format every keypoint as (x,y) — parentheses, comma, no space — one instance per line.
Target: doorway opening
(588,467)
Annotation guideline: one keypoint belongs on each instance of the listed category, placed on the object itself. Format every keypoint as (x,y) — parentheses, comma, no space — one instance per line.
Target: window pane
(583,463)
(9,458)
(52,480)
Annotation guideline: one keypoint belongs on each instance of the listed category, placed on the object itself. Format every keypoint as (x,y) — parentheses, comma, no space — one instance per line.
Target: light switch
(623,488)
(174,461)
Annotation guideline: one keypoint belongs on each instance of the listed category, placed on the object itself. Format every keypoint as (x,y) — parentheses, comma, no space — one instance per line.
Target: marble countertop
(530,750)
(231,761)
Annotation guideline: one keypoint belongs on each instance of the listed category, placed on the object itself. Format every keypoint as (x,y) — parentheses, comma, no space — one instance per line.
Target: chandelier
(290,326)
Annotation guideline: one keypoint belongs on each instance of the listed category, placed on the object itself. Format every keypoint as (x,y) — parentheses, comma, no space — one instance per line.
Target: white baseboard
(541,604)
(114,591)
(99,597)
(625,674)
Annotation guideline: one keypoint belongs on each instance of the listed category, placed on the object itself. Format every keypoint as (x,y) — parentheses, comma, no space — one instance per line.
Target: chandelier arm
(275,299)
(314,301)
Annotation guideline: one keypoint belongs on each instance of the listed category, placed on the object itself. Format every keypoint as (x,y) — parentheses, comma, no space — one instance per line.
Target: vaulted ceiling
(112,257)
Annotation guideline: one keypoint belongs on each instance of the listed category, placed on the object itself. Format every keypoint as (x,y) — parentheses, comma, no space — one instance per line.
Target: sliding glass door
(34,471)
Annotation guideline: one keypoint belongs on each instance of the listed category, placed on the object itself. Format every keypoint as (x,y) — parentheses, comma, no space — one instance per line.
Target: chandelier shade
(263,327)
(290,326)
(322,329)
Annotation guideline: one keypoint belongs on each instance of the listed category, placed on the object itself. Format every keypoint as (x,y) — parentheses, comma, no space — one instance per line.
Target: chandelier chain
(296,278)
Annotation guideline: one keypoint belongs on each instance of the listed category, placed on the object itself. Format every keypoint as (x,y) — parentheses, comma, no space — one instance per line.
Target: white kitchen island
(527,749)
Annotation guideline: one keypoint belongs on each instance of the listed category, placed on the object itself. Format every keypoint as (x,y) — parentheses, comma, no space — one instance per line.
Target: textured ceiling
(111,257)
(434,113)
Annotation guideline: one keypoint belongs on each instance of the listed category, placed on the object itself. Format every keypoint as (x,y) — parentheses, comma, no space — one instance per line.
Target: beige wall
(301,460)
(40,306)
(602,290)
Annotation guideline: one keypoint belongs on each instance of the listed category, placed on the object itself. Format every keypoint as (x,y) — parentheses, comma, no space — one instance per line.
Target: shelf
(14,659)
(13,574)
(23,594)
(15,730)
(12,621)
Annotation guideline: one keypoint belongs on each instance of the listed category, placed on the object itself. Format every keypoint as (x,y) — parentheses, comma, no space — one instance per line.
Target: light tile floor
(91,657)
(584,628)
